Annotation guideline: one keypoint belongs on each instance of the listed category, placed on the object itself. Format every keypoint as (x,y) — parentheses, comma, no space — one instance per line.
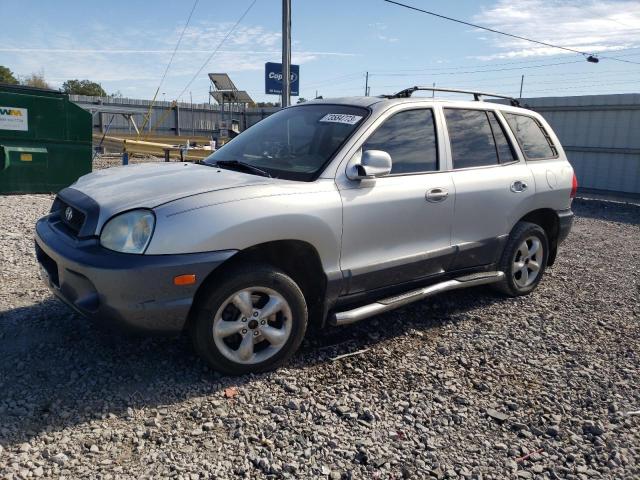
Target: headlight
(128,232)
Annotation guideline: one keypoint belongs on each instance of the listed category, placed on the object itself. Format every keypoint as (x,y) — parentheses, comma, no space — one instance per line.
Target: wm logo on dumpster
(14,118)
(10,111)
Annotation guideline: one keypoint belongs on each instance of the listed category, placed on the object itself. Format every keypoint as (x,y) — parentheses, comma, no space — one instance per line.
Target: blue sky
(126,45)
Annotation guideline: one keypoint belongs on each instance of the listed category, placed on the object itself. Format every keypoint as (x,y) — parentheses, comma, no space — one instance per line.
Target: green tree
(6,76)
(35,80)
(83,87)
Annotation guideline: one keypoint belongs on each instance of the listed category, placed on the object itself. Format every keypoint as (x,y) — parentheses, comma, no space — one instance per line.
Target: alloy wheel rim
(252,325)
(527,262)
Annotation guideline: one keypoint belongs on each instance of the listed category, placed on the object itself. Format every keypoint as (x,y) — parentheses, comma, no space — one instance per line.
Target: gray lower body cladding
(135,292)
(470,255)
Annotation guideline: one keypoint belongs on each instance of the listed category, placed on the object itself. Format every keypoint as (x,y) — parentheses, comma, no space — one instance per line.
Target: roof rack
(477,96)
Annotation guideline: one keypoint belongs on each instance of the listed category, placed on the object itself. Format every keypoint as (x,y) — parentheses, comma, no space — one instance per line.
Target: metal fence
(200,119)
(600,133)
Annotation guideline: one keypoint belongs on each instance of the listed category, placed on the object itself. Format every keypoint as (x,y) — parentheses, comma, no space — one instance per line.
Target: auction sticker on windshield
(341,118)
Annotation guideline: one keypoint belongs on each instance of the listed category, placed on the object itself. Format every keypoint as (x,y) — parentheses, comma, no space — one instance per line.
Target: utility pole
(286,53)
(521,85)
(366,85)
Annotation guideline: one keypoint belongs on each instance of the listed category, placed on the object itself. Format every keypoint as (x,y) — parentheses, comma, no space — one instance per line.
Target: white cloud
(379,30)
(584,25)
(128,51)
(136,58)
(207,36)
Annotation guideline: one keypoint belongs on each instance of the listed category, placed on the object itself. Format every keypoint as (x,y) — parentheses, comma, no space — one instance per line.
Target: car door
(549,166)
(494,187)
(398,228)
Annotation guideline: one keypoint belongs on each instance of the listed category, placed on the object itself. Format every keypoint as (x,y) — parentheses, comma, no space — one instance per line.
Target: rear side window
(471,136)
(410,138)
(532,137)
(506,153)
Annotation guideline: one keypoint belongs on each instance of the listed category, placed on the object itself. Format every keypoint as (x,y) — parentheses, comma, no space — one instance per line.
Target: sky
(126,45)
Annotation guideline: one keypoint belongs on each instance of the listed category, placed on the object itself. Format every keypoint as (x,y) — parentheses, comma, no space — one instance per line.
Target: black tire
(237,279)
(521,232)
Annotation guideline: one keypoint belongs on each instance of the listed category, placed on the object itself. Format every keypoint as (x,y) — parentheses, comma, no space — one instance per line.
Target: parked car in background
(327,212)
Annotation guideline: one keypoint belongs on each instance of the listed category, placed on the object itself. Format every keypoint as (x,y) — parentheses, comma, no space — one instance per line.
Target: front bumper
(131,291)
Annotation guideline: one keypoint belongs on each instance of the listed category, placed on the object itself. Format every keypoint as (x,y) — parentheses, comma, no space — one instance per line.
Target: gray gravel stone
(497,416)
(562,362)
(60,459)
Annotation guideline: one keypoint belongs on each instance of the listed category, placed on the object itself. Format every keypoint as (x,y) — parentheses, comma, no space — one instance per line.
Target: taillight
(574,187)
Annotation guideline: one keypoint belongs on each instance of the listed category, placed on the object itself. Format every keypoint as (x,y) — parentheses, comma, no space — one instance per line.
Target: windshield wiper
(237,164)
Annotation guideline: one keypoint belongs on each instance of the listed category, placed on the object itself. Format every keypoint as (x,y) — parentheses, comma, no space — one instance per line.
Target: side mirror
(372,164)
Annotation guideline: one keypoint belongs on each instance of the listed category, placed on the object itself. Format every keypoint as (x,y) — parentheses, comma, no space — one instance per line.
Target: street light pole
(286,53)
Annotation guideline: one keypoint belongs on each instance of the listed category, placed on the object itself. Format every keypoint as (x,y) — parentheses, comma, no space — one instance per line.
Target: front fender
(314,217)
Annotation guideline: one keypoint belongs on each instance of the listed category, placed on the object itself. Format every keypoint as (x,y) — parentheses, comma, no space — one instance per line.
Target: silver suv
(327,212)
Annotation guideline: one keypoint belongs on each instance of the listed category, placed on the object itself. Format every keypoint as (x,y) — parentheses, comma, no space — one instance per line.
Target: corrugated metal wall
(600,133)
(601,136)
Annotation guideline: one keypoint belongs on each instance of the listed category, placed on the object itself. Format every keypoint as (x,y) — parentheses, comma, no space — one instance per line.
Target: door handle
(519,186)
(436,195)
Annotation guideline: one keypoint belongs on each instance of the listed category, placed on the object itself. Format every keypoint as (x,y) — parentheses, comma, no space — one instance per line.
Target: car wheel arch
(298,259)
(548,220)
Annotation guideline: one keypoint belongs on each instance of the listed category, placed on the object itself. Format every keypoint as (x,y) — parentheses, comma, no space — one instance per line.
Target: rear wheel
(252,322)
(524,259)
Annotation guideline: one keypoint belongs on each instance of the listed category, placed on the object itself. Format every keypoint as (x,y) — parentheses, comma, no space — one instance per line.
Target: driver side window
(410,138)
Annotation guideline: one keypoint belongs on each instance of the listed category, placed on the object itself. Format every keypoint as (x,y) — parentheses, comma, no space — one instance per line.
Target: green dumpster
(45,140)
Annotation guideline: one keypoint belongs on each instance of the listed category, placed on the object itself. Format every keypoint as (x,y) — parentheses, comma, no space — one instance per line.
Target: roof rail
(477,96)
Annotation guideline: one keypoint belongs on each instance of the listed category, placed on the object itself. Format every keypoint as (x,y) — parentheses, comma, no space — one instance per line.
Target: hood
(148,185)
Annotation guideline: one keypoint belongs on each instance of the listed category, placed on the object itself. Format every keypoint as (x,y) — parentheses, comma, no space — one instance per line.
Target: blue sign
(273,79)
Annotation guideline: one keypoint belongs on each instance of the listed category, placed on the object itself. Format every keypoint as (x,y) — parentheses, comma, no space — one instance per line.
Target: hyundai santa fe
(324,213)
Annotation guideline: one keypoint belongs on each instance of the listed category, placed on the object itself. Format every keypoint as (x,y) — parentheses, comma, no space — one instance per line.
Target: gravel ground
(468,385)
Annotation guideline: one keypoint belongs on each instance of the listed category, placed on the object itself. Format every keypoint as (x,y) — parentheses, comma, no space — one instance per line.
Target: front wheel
(252,322)
(524,259)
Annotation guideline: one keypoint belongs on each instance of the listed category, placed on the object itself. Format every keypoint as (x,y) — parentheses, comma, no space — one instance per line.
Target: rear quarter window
(532,137)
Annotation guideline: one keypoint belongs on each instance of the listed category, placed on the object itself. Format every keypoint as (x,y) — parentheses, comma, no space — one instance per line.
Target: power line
(451,19)
(622,23)
(358,76)
(620,60)
(164,75)
(206,62)
(509,82)
(585,87)
(497,80)
(485,28)
(457,67)
(348,76)
(476,71)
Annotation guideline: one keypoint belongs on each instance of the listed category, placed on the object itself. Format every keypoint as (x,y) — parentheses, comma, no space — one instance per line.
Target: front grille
(69,215)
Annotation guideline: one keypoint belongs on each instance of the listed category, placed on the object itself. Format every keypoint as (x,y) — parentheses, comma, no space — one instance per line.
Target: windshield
(294,143)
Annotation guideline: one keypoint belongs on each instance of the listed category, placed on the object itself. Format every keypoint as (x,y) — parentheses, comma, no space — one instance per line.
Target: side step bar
(391,303)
